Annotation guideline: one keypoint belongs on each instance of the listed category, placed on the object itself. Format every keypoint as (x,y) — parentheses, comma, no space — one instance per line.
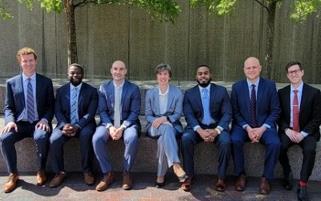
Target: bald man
(118,107)
(256,108)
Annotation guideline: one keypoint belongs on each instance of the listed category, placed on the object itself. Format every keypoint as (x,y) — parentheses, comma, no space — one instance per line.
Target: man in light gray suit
(163,109)
(118,107)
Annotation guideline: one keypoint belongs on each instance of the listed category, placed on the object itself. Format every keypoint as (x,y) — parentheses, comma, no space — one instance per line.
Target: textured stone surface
(203,190)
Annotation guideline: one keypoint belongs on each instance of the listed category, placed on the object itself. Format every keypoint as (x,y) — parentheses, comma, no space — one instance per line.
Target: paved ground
(74,189)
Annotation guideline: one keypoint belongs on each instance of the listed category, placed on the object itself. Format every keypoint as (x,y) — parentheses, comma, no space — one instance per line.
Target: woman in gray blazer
(163,109)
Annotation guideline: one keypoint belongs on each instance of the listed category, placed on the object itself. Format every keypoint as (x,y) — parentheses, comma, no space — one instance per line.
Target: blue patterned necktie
(117,107)
(74,106)
(30,102)
(253,122)
(206,107)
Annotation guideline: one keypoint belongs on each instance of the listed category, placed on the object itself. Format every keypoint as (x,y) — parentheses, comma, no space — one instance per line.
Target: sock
(303,183)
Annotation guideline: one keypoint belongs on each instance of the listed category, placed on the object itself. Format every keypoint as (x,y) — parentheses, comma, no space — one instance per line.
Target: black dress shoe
(302,194)
(159,184)
(288,181)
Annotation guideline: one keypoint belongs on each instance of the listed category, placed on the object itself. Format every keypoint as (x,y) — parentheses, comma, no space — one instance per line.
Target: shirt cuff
(244,126)
(304,134)
(196,127)
(123,126)
(267,126)
(108,125)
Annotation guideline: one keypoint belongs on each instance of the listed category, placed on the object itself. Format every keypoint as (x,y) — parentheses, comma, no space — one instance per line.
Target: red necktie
(295,110)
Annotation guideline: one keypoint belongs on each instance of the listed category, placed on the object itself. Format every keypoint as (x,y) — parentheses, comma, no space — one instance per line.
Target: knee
(130,137)
(5,139)
(308,151)
(187,139)
(40,135)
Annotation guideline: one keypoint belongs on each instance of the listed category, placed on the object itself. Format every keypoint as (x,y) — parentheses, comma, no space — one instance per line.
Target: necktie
(74,106)
(117,108)
(206,107)
(253,122)
(30,102)
(295,110)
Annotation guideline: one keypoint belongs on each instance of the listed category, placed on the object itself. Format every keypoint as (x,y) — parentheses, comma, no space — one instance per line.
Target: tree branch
(83,3)
(263,5)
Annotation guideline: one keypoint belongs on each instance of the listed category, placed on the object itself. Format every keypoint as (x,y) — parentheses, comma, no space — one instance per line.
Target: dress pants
(100,138)
(191,138)
(57,141)
(167,148)
(272,144)
(25,129)
(308,145)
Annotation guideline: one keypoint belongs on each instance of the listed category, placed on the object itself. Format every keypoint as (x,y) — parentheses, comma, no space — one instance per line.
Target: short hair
(78,66)
(163,67)
(203,65)
(25,51)
(292,63)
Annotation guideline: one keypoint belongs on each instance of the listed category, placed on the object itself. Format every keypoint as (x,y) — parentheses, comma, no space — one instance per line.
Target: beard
(204,84)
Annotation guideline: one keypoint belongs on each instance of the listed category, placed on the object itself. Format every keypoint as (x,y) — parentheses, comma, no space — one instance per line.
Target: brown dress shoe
(105,182)
(127,181)
(240,183)
(264,186)
(11,184)
(89,178)
(41,178)
(220,185)
(57,180)
(187,184)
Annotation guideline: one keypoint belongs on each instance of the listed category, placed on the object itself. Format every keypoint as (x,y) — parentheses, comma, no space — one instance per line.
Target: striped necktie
(253,122)
(74,106)
(30,102)
(295,110)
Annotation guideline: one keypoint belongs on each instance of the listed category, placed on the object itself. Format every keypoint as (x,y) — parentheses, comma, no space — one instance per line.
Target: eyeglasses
(294,71)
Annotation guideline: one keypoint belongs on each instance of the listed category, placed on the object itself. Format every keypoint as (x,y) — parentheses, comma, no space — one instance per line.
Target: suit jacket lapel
(155,98)
(22,95)
(303,99)
(170,98)
(124,93)
(259,95)
(246,93)
(38,86)
(212,97)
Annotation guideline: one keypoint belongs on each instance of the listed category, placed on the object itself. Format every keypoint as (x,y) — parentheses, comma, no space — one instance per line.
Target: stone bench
(205,154)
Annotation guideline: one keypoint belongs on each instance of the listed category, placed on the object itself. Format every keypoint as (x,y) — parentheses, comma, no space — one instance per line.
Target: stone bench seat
(205,154)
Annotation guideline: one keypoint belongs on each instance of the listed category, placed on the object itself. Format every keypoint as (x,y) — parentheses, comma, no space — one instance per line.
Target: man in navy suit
(75,109)
(28,109)
(299,124)
(255,111)
(208,112)
(118,107)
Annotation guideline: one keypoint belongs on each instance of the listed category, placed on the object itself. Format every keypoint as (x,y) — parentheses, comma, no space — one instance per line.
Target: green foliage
(219,7)
(51,5)
(304,8)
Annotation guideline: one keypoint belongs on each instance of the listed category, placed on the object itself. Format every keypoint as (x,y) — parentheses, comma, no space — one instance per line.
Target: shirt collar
(164,94)
(208,87)
(249,83)
(120,86)
(32,77)
(300,88)
(77,87)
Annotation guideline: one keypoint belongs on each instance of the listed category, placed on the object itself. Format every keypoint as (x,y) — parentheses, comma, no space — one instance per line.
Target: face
(163,77)
(28,64)
(252,68)
(75,75)
(295,74)
(203,76)
(118,71)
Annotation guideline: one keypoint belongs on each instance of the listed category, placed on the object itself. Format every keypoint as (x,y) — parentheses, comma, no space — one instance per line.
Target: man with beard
(75,109)
(256,108)
(208,112)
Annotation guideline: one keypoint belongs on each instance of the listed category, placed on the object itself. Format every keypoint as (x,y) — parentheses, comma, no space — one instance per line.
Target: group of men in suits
(255,108)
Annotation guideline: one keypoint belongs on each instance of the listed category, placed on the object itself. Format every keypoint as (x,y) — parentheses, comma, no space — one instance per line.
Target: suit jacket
(174,107)
(15,100)
(267,103)
(310,110)
(130,103)
(87,105)
(220,107)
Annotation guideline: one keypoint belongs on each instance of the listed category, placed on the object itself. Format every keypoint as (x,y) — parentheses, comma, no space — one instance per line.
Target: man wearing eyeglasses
(299,124)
